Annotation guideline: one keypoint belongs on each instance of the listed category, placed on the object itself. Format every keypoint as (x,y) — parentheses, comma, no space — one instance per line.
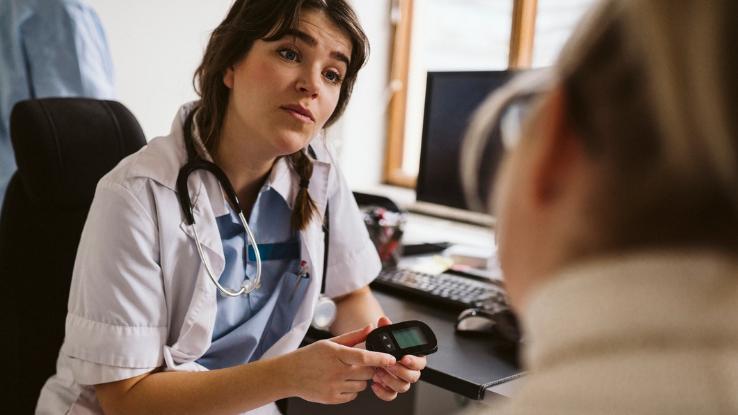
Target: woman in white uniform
(148,329)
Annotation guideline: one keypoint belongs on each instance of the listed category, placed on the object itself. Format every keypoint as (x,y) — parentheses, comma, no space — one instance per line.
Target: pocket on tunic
(293,288)
(292,291)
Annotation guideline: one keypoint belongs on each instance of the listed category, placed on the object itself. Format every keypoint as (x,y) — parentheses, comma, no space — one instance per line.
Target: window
(438,35)
(554,22)
(441,43)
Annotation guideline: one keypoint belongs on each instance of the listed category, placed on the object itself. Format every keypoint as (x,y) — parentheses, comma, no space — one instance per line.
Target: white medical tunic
(140,298)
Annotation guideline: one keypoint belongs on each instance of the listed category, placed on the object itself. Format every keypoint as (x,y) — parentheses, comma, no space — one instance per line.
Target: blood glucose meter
(408,337)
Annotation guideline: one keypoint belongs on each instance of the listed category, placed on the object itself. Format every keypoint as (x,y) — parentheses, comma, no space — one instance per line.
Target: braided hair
(305,207)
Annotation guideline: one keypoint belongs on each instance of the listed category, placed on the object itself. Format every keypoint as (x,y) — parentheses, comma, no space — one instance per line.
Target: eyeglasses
(496,127)
(513,117)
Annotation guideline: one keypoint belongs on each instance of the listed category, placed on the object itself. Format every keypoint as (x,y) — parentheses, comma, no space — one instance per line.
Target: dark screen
(409,337)
(450,101)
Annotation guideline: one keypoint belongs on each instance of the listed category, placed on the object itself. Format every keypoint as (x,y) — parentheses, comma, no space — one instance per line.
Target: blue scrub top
(246,327)
(48,48)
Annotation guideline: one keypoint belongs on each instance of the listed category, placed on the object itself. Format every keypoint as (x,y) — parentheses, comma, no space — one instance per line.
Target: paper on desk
(433,265)
(473,256)
(477,262)
(489,267)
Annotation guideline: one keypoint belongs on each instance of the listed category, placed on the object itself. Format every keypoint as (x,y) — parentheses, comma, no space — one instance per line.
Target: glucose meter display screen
(410,337)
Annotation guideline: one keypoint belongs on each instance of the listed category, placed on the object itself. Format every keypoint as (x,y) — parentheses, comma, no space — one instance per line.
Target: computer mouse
(501,323)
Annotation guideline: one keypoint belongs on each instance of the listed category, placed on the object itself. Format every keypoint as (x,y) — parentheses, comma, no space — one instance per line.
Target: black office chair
(63,146)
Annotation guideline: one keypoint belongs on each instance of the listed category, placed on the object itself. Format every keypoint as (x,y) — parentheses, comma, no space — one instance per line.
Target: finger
(352,356)
(391,382)
(383,393)
(361,373)
(413,362)
(354,386)
(403,373)
(353,338)
(384,321)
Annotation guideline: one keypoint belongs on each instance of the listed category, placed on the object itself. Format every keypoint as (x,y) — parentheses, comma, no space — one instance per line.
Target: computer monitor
(450,100)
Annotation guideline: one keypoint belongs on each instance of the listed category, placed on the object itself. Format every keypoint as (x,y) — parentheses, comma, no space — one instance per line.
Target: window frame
(520,55)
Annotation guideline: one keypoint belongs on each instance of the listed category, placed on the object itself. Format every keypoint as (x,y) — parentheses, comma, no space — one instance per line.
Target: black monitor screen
(450,101)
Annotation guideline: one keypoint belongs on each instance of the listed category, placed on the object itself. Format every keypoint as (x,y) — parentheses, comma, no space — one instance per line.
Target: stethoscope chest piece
(324,314)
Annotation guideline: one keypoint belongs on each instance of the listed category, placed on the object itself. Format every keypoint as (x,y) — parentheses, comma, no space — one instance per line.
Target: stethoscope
(194,163)
(325,309)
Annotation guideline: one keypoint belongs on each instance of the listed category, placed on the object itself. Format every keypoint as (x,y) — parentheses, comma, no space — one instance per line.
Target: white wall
(157,45)
(363,127)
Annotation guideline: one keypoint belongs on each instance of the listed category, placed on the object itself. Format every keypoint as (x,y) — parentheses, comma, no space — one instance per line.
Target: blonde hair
(651,89)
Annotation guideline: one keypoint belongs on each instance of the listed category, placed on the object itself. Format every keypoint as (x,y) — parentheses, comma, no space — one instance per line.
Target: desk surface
(467,366)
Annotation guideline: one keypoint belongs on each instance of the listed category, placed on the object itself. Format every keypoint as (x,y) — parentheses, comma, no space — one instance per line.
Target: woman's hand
(333,371)
(389,381)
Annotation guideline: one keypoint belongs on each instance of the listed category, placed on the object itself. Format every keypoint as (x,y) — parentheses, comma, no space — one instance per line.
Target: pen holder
(385,230)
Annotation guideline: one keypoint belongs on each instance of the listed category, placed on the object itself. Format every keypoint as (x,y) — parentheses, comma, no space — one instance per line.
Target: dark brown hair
(251,20)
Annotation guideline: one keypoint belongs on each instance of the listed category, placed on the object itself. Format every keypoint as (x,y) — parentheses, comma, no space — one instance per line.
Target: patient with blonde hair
(617,213)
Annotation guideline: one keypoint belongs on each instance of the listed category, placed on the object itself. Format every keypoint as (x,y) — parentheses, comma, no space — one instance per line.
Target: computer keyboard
(448,290)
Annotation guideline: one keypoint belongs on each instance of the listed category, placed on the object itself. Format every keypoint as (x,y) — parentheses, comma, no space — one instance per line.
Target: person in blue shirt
(48,48)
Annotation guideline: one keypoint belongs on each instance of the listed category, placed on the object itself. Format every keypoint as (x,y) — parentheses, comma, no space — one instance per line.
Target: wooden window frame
(520,55)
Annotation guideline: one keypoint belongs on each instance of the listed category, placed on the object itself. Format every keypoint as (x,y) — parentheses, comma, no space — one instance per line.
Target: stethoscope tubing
(193,164)
(249,285)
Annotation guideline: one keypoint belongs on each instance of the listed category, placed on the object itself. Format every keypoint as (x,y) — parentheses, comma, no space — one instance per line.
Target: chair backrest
(62,146)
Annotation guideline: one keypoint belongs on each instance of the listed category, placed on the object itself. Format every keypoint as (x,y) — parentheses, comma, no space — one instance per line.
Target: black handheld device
(408,337)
